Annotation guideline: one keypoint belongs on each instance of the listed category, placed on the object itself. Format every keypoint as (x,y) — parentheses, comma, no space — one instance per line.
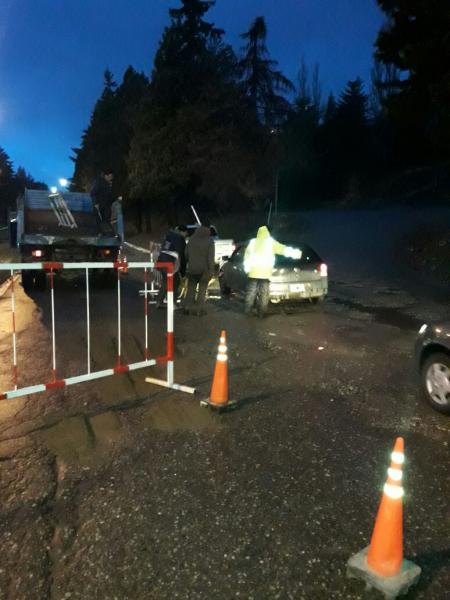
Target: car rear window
(308,257)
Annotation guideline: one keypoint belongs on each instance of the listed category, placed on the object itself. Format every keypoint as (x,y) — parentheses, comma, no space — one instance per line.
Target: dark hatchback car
(432,353)
(292,279)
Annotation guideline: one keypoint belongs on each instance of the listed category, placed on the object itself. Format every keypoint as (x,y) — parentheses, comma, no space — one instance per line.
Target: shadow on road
(430,562)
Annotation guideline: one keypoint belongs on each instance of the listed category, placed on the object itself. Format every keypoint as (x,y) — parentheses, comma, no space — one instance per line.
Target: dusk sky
(53,54)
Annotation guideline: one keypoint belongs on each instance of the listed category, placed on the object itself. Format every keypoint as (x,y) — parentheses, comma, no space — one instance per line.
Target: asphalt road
(120,490)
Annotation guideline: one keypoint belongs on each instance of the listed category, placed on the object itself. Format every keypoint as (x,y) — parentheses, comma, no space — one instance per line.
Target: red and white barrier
(120,266)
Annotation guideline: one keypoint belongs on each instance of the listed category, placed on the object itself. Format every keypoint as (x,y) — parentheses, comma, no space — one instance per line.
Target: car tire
(224,289)
(435,381)
(317,300)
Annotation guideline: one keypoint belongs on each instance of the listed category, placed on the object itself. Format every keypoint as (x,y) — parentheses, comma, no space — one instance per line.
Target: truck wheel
(40,281)
(28,281)
(34,281)
(317,300)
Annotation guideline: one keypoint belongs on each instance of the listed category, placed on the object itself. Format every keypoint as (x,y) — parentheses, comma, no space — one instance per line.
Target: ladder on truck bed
(62,211)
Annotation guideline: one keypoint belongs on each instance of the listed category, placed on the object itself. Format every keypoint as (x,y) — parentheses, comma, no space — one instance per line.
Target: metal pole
(119,324)
(88,319)
(52,290)
(170,305)
(276,192)
(196,215)
(13,310)
(146,312)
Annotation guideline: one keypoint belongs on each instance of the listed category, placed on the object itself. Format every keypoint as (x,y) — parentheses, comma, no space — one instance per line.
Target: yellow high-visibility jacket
(259,258)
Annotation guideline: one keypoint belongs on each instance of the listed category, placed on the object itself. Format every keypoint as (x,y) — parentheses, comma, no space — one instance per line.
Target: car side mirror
(226,258)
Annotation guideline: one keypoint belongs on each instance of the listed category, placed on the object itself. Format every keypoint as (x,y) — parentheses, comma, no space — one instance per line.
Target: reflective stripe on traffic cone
(385,555)
(218,397)
(381,565)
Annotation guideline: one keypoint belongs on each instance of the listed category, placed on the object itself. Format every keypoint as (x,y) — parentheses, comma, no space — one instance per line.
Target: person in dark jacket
(102,196)
(200,269)
(173,251)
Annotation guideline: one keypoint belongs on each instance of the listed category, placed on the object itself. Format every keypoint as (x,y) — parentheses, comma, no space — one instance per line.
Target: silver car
(432,352)
(292,279)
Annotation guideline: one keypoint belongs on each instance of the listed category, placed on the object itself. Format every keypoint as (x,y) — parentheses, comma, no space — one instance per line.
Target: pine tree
(416,41)
(192,138)
(186,63)
(352,105)
(330,109)
(262,84)
(25,180)
(105,142)
(7,185)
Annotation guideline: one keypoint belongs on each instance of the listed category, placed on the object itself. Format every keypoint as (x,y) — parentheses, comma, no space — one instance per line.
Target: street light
(63,182)
(53,189)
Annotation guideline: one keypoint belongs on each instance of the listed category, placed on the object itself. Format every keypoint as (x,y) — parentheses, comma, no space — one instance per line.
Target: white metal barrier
(155,284)
(120,267)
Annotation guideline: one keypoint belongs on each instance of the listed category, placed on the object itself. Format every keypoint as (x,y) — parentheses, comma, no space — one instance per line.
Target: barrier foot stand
(391,587)
(230,405)
(172,386)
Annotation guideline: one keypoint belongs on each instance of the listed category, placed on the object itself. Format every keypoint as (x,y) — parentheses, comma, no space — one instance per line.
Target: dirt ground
(119,489)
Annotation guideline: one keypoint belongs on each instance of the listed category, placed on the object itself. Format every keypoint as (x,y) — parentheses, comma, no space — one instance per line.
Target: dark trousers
(260,288)
(201,281)
(163,289)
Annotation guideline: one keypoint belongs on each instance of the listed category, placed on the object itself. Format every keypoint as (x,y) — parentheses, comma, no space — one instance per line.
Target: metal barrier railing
(120,367)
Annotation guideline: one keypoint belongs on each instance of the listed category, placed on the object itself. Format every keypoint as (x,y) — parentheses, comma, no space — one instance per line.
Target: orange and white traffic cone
(381,565)
(218,397)
(385,554)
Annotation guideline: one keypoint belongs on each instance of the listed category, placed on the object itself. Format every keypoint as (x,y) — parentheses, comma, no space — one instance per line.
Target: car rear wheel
(435,374)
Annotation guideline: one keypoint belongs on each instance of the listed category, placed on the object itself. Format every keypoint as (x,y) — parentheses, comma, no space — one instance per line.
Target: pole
(196,215)
(277,184)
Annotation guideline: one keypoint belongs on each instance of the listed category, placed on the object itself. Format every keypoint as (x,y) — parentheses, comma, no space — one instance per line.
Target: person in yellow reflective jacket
(259,261)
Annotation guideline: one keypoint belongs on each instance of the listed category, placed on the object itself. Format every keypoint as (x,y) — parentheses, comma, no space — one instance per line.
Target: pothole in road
(85,440)
(383,315)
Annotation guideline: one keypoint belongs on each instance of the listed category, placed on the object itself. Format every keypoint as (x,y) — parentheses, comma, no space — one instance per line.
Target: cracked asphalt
(120,490)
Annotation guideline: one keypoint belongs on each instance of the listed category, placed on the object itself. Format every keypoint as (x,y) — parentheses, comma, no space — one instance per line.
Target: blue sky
(53,54)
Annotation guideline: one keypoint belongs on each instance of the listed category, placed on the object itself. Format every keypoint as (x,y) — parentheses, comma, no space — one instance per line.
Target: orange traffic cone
(382,565)
(385,555)
(218,397)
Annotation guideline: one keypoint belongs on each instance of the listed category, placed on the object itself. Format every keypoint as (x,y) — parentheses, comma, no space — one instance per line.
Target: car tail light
(37,253)
(323,270)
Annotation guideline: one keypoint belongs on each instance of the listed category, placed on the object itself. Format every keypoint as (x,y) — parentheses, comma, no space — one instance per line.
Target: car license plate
(297,287)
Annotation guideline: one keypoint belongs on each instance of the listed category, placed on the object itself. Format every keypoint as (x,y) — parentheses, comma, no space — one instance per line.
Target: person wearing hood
(200,269)
(173,251)
(259,261)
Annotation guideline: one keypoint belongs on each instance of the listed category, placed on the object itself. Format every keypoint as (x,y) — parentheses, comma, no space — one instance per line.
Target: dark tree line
(224,128)
(12,183)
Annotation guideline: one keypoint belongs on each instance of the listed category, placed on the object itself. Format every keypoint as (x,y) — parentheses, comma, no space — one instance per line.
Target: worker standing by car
(259,260)
(173,250)
(200,269)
